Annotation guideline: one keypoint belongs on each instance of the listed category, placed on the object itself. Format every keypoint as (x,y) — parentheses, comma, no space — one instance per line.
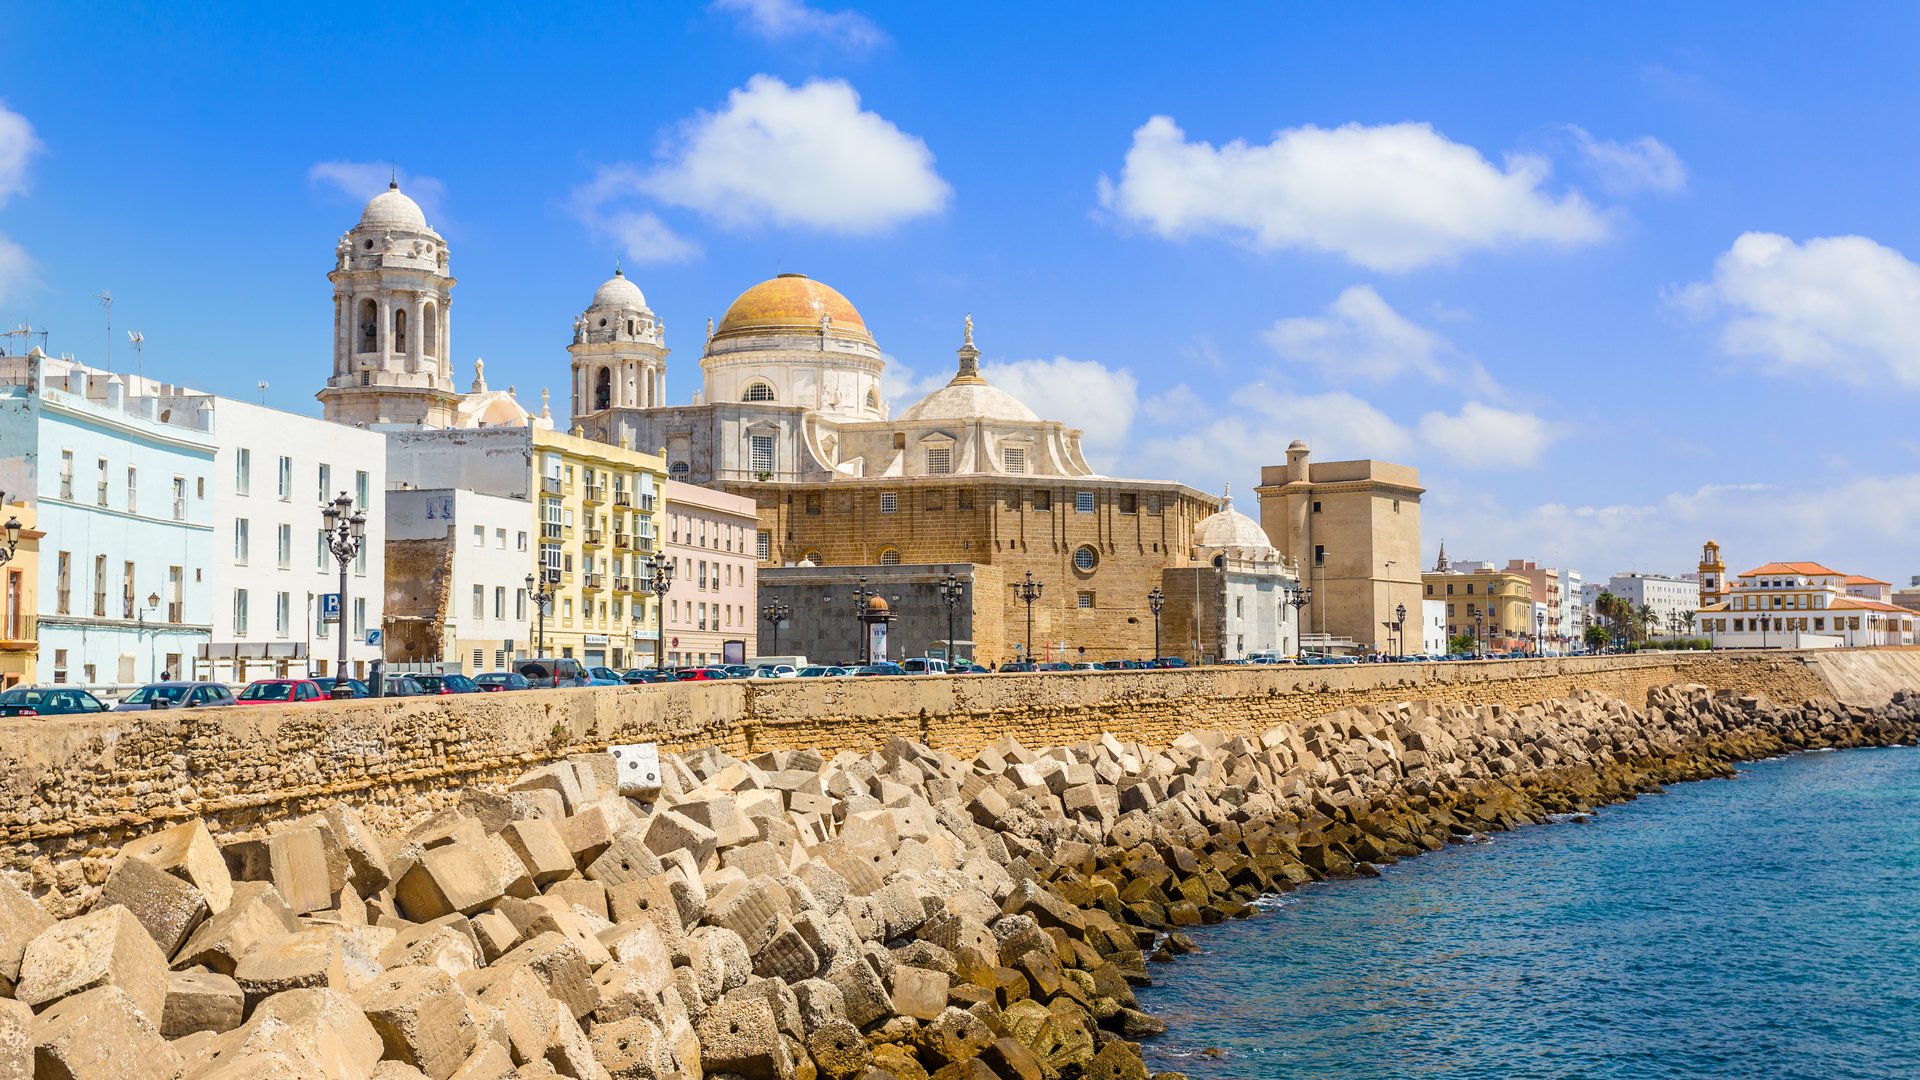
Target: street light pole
(13,540)
(1400,629)
(1297,598)
(952,592)
(1539,629)
(344,532)
(540,591)
(775,614)
(861,594)
(659,580)
(1028,591)
(1155,600)
(153,601)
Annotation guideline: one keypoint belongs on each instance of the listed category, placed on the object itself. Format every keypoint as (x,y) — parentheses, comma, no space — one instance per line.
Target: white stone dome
(393,210)
(1229,528)
(970,400)
(619,292)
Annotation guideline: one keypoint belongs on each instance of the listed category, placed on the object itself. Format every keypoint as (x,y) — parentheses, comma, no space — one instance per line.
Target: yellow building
(19,639)
(456,588)
(1495,606)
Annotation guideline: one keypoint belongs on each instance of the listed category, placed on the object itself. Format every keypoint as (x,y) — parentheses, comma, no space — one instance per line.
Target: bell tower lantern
(1713,575)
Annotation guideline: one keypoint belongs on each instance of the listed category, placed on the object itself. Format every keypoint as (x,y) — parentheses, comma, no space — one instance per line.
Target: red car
(281,691)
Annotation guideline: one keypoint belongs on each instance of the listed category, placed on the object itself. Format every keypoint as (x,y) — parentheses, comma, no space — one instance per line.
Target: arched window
(678,468)
(889,556)
(603,389)
(629,327)
(757,391)
(873,400)
(430,344)
(400,330)
(369,327)
(812,557)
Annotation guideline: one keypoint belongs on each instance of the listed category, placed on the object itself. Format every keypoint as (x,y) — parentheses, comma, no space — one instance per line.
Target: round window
(1085,558)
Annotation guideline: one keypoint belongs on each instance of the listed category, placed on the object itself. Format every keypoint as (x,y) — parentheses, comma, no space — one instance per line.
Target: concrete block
(449,943)
(748,908)
(255,912)
(525,1011)
(320,1032)
(489,1061)
(300,960)
(838,1050)
(16,1040)
(786,954)
(168,907)
(919,993)
(561,779)
(495,934)
(568,1049)
(539,847)
(640,945)
(106,947)
(422,1018)
(632,1049)
(637,770)
(739,1036)
(670,830)
(561,967)
(582,895)
(102,1034)
(864,997)
(547,916)
(624,859)
(459,877)
(717,949)
(187,852)
(650,901)
(389,1069)
(201,1001)
(21,920)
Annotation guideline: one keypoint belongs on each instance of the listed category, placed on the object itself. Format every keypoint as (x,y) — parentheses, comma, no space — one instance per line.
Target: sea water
(1766,926)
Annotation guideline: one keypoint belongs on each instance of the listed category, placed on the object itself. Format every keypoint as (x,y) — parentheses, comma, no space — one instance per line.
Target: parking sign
(330,607)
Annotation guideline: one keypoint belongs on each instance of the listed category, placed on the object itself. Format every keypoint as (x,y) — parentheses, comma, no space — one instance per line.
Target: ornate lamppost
(540,590)
(13,540)
(776,613)
(952,592)
(659,580)
(1479,630)
(1400,629)
(153,601)
(1027,591)
(344,532)
(862,594)
(1298,597)
(1539,628)
(1155,601)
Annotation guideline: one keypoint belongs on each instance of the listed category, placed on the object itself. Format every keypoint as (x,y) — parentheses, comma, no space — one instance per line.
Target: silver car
(176,695)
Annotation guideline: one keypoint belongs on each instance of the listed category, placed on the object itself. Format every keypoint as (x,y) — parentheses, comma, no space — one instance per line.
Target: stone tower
(1713,575)
(619,353)
(391,321)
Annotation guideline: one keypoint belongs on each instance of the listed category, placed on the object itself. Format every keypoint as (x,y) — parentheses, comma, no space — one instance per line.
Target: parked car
(495,682)
(737,671)
(1088,665)
(1054,665)
(604,676)
(450,683)
(404,686)
(700,674)
(1019,665)
(776,671)
(882,668)
(1168,662)
(355,688)
(176,695)
(648,675)
(48,701)
(924,665)
(281,692)
(821,671)
(550,671)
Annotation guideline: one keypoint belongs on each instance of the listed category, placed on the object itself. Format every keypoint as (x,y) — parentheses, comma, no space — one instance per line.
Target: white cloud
(1484,437)
(1232,448)
(1843,306)
(18,145)
(785,20)
(1085,394)
(363,180)
(16,269)
(1643,164)
(1177,406)
(647,239)
(1360,336)
(805,156)
(1391,197)
(902,385)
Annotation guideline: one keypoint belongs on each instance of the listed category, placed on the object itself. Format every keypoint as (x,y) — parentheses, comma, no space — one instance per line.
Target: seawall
(74,790)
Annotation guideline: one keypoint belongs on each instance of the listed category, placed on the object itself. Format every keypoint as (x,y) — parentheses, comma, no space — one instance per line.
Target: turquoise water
(1767,926)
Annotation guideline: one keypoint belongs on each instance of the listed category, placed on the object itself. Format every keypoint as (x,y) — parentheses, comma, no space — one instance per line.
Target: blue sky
(1615,281)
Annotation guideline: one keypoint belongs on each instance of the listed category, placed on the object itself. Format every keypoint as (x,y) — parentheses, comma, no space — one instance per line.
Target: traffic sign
(373,637)
(330,607)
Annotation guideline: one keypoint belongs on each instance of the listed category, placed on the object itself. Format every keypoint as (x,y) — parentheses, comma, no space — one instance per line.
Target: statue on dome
(969,327)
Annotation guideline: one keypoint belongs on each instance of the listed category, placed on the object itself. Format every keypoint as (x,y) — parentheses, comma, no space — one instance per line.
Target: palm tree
(1643,622)
(1687,619)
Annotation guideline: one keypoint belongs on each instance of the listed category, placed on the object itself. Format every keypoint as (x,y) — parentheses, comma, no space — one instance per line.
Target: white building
(1573,609)
(1674,601)
(1237,589)
(475,599)
(1433,627)
(1804,605)
(120,479)
(272,566)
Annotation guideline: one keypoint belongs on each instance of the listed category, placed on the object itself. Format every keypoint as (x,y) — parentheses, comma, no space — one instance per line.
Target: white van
(923,665)
(794,662)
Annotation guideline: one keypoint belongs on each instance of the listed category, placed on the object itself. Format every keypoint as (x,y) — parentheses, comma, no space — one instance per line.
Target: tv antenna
(105,297)
(137,339)
(263,392)
(26,333)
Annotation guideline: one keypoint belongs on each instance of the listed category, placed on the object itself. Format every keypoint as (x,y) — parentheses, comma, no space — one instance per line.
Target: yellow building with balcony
(1492,605)
(593,511)
(19,571)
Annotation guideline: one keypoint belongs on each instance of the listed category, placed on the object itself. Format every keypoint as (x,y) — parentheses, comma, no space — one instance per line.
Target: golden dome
(876,603)
(792,303)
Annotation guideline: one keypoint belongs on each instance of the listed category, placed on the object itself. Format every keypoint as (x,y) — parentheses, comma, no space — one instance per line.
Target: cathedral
(790,414)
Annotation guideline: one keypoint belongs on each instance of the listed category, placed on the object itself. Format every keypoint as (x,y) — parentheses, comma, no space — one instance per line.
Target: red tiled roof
(1810,569)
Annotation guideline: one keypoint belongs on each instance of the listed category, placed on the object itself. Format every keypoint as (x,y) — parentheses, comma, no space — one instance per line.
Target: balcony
(66,487)
(552,485)
(646,503)
(102,499)
(623,498)
(596,493)
(177,612)
(623,584)
(620,540)
(179,508)
(595,581)
(596,538)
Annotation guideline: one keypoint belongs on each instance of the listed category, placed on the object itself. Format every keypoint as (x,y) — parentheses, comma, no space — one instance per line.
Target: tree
(1596,637)
(1644,620)
(1688,618)
(1461,644)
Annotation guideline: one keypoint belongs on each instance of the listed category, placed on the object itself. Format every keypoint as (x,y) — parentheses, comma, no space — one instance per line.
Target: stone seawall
(74,790)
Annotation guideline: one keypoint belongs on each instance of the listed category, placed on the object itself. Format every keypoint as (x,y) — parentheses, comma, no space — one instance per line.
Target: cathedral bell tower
(392,327)
(619,354)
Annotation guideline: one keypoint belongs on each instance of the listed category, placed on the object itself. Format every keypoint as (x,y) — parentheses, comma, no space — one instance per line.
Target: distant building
(459,591)
(1908,597)
(711,601)
(1573,608)
(1231,601)
(1353,530)
(1549,595)
(1433,627)
(1493,605)
(19,588)
(1674,601)
(1804,605)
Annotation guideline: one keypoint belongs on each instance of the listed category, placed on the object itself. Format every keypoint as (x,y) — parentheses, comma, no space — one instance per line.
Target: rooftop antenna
(263,392)
(27,333)
(106,301)
(137,339)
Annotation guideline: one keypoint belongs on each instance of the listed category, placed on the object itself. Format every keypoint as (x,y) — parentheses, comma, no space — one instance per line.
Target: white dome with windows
(1231,530)
(393,210)
(619,292)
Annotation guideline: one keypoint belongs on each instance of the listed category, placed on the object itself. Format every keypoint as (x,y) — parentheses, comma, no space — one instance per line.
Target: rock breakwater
(902,913)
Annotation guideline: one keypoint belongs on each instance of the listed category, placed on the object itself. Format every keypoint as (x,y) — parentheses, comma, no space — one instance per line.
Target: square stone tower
(1354,529)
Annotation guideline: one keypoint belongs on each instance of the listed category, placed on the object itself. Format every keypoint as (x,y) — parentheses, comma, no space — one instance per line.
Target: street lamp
(1400,628)
(153,601)
(1027,592)
(13,540)
(776,613)
(344,533)
(952,592)
(1155,600)
(1539,628)
(1479,625)
(659,580)
(1297,598)
(540,591)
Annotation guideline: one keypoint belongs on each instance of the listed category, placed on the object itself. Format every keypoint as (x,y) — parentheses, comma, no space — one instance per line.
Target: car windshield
(271,691)
(146,695)
(23,697)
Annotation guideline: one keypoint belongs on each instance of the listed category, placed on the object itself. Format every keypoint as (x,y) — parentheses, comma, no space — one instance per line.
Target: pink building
(710,538)
(1546,590)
